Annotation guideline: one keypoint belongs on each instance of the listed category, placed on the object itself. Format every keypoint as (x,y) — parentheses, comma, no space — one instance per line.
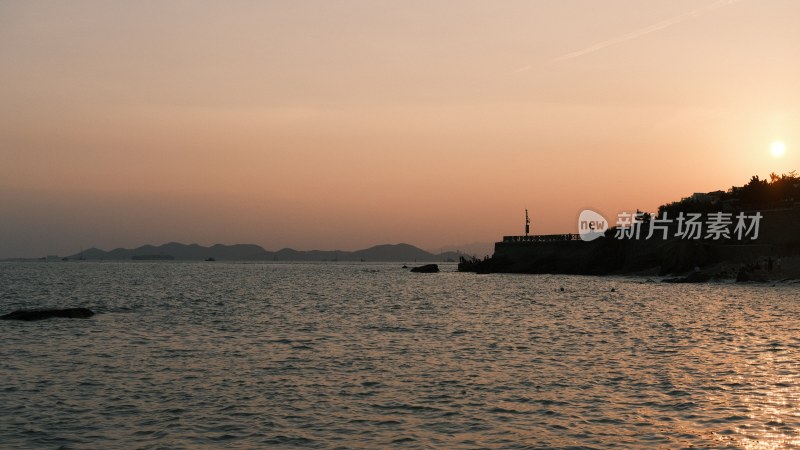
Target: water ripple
(186,355)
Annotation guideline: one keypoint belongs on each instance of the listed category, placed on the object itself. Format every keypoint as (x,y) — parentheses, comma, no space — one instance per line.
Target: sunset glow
(347,124)
(409,223)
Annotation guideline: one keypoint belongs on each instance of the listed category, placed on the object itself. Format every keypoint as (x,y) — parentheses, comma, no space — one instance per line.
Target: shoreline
(673,261)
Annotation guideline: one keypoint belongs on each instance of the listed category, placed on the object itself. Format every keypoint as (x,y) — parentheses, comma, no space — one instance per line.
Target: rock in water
(39,314)
(427,268)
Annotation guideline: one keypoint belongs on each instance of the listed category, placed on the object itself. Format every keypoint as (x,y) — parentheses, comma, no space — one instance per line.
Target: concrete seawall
(779,236)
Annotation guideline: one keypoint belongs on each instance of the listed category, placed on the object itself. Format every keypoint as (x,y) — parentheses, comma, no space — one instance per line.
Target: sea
(368,355)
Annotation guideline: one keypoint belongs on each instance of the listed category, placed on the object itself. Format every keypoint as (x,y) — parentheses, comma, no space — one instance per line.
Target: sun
(777,149)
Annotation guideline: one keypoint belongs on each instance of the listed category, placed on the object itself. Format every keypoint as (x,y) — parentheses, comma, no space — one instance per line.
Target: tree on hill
(780,191)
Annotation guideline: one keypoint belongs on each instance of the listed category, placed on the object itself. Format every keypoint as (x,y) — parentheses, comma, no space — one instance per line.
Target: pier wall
(779,235)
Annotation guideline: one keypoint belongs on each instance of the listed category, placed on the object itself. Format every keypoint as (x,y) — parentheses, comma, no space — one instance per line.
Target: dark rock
(39,314)
(427,268)
(748,274)
(694,277)
(742,276)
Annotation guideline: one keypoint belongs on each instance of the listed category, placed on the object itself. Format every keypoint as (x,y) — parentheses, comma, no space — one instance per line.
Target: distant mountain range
(252,252)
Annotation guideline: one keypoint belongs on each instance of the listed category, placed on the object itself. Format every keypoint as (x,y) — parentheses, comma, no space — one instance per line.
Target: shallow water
(194,355)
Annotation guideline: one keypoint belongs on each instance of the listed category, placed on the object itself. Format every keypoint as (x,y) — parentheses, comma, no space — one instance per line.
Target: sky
(346,124)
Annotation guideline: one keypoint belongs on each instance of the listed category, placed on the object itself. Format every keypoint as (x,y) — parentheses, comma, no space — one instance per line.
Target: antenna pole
(527,223)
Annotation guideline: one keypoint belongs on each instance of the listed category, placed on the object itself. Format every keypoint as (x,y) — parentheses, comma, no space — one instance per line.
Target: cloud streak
(646,30)
(523,69)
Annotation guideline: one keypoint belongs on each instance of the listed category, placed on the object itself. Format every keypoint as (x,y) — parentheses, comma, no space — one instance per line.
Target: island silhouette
(253,252)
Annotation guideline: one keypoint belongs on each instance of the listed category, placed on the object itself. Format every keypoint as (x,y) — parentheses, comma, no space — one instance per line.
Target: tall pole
(527,223)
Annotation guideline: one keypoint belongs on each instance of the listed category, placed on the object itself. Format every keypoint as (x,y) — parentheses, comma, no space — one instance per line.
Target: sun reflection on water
(769,383)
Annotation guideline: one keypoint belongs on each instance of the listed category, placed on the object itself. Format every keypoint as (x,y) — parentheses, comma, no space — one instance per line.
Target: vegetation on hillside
(780,191)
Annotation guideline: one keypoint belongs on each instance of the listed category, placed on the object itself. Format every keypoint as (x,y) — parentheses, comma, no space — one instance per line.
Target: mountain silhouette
(252,252)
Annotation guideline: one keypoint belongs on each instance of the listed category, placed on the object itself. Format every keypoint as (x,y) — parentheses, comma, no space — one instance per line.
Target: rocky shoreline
(678,261)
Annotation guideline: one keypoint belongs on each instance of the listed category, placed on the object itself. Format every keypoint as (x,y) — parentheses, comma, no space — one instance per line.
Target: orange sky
(340,125)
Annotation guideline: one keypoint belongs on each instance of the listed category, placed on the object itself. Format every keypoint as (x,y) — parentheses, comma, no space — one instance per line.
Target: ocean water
(336,355)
